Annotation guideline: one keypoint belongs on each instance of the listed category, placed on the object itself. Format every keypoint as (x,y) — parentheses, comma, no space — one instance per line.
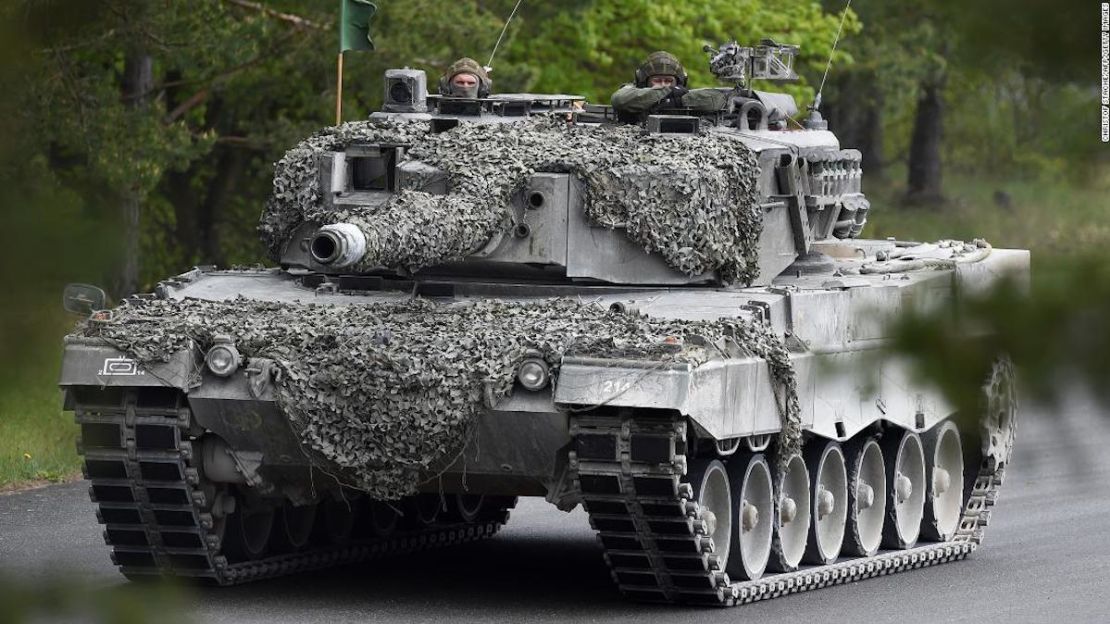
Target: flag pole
(339,90)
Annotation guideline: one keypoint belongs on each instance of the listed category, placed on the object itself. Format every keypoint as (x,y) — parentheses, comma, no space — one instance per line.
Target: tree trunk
(924,184)
(855,114)
(138,82)
(229,168)
(871,140)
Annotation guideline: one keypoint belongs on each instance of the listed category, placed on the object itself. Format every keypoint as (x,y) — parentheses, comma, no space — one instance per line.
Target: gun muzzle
(338,245)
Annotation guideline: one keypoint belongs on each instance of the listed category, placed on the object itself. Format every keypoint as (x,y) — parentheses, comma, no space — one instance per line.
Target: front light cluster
(533,373)
(223,358)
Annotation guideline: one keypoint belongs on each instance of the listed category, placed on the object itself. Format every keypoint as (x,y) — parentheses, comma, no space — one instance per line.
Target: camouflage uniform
(639,98)
(465,65)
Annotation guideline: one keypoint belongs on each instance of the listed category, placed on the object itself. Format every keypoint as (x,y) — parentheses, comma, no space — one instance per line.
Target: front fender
(93,362)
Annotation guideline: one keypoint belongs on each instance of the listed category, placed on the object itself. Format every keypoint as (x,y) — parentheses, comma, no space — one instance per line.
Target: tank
(673,324)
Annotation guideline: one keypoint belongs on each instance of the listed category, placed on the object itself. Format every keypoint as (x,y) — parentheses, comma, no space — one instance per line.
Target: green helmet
(466,65)
(660,64)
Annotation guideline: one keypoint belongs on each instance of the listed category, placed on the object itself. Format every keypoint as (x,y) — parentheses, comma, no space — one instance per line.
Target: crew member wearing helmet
(661,83)
(465,78)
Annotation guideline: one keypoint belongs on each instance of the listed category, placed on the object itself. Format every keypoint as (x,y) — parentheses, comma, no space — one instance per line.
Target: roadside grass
(1056,220)
(37,439)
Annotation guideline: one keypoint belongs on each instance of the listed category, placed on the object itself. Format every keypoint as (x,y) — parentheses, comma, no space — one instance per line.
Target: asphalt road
(1046,559)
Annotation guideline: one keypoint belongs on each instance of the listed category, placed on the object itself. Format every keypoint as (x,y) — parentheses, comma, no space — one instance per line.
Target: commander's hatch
(365,173)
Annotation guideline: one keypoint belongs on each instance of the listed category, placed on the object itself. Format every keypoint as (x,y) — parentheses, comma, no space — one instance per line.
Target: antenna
(840,29)
(489,65)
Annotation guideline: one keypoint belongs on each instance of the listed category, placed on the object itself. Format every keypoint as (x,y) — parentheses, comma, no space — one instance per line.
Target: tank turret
(520,193)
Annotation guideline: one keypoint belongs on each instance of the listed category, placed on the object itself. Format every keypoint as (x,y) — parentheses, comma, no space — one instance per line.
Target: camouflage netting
(691,199)
(384,393)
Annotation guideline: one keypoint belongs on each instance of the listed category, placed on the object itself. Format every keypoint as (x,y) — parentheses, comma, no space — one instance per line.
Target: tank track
(156,508)
(629,471)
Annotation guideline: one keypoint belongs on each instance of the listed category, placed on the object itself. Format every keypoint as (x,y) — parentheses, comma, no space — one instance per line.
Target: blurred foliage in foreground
(1056,332)
(66,599)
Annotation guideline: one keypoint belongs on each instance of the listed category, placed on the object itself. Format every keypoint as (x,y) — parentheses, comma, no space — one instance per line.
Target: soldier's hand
(674,98)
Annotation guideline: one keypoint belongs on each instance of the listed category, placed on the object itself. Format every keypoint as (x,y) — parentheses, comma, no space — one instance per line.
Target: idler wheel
(713,493)
(248,531)
(792,515)
(753,510)
(866,497)
(297,522)
(829,501)
(905,478)
(944,463)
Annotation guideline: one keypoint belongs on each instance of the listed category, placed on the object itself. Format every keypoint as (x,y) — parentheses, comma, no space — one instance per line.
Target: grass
(1053,219)
(37,439)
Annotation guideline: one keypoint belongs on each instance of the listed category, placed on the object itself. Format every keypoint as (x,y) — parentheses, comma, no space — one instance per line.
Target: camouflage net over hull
(383,395)
(691,199)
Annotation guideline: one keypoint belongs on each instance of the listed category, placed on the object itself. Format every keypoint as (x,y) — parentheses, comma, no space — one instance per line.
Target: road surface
(1046,559)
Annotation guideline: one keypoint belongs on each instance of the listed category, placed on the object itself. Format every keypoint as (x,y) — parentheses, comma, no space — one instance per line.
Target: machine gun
(739,65)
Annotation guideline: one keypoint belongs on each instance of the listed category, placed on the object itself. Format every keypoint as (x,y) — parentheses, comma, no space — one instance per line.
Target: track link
(628,470)
(156,508)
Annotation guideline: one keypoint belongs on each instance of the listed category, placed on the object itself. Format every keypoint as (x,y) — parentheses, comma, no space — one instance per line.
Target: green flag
(354,24)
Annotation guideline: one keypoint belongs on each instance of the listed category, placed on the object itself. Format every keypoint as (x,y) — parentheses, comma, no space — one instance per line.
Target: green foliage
(1020,125)
(595,49)
(1052,218)
(37,440)
(1017,79)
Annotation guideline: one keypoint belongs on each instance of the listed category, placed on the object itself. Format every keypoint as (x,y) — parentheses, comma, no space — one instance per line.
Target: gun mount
(739,65)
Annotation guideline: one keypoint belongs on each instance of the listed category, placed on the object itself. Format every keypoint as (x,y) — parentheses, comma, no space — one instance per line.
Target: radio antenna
(821,89)
(489,65)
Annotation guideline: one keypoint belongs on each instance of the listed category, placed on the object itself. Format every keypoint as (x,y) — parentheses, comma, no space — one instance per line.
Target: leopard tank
(675,325)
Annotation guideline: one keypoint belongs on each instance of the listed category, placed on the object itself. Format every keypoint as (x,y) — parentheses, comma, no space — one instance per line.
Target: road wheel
(297,522)
(829,501)
(905,478)
(468,507)
(866,497)
(944,467)
(383,518)
(754,514)
(713,493)
(792,515)
(248,531)
(339,517)
(422,510)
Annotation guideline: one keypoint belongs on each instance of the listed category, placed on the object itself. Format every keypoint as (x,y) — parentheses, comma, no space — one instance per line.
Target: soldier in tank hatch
(465,78)
(661,82)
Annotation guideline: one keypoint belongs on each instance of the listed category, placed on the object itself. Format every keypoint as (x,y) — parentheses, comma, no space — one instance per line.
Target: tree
(942,83)
(596,48)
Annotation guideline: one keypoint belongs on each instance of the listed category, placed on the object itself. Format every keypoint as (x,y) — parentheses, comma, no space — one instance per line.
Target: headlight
(533,374)
(223,359)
